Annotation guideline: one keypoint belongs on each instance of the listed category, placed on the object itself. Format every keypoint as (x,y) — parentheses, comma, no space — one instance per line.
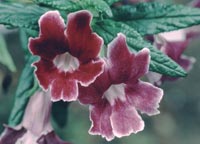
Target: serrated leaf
(95,6)
(110,2)
(153,18)
(160,63)
(5,57)
(26,87)
(18,15)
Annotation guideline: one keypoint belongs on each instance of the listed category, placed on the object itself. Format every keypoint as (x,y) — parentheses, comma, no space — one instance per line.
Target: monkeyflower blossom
(117,93)
(173,44)
(35,127)
(68,54)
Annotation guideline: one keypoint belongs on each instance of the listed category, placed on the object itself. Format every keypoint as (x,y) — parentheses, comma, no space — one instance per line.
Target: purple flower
(117,93)
(68,54)
(173,44)
(35,127)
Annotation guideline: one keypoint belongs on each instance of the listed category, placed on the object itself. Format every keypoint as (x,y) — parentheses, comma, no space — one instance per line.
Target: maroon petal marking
(89,95)
(11,135)
(100,117)
(87,73)
(93,93)
(51,40)
(120,59)
(83,43)
(125,119)
(144,97)
(50,138)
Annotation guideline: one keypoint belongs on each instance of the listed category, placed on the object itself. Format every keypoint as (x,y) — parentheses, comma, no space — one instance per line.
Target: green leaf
(5,57)
(159,62)
(26,88)
(18,15)
(95,6)
(153,18)
(60,113)
(110,2)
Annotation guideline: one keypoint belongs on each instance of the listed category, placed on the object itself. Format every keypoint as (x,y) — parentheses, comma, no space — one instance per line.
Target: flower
(117,93)
(173,44)
(35,127)
(68,55)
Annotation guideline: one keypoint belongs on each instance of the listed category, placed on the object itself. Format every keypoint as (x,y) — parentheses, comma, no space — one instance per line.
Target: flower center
(115,92)
(66,62)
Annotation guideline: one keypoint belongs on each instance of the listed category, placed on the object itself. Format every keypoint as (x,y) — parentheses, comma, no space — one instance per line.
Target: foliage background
(178,123)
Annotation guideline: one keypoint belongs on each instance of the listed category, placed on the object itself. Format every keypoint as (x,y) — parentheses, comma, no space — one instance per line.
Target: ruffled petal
(50,138)
(120,59)
(87,73)
(59,83)
(100,117)
(11,135)
(125,119)
(51,40)
(83,43)
(145,97)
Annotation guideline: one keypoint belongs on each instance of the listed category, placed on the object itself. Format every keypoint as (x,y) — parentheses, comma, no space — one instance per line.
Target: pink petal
(83,43)
(11,135)
(140,64)
(100,117)
(186,62)
(145,97)
(125,120)
(87,73)
(59,83)
(51,40)
(36,118)
(175,49)
(120,59)
(50,138)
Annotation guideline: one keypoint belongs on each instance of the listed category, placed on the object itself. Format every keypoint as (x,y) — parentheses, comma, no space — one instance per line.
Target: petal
(87,73)
(45,72)
(94,92)
(50,138)
(11,135)
(64,89)
(154,78)
(120,59)
(36,118)
(125,120)
(145,97)
(141,64)
(89,95)
(59,83)
(100,117)
(186,62)
(175,49)
(51,40)
(83,43)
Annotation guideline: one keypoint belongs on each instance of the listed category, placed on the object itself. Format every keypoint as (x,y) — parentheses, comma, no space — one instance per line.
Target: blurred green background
(178,122)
